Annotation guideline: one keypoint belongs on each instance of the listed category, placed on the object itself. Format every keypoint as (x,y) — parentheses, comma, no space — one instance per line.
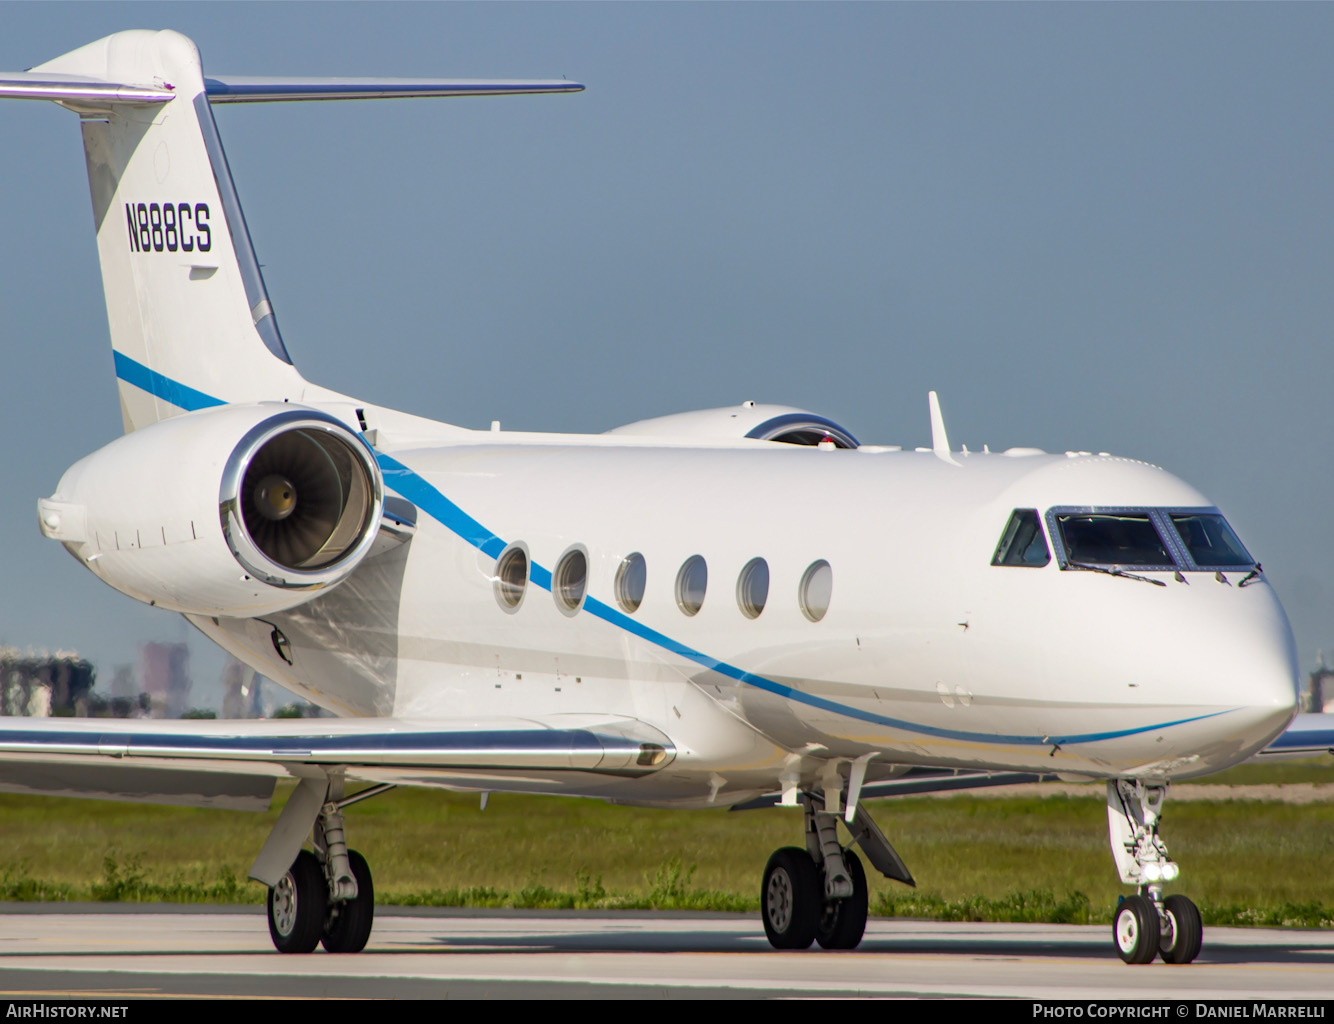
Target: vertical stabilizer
(189,317)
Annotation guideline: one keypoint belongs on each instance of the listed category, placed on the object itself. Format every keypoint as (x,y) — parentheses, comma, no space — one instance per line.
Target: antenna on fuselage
(940,442)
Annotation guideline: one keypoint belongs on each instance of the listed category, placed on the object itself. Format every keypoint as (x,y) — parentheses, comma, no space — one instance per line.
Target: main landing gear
(325,897)
(819,894)
(1147,925)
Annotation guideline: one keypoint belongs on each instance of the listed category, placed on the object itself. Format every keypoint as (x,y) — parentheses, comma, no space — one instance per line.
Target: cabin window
(569,582)
(691,582)
(1022,543)
(1122,538)
(1210,540)
(815,590)
(631,578)
(752,587)
(511,579)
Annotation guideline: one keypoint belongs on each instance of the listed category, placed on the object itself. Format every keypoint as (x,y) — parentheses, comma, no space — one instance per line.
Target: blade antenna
(940,442)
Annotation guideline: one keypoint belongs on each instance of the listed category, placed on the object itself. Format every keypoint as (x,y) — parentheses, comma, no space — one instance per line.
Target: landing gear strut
(1146,925)
(819,894)
(325,897)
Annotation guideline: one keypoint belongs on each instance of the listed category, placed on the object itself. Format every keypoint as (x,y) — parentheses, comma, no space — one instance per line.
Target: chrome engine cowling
(235,510)
(781,423)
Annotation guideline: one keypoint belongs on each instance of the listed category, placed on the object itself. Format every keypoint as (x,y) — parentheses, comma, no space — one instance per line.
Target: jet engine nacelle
(782,423)
(238,510)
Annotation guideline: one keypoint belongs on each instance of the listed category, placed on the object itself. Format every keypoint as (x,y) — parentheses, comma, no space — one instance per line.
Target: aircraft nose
(1267,677)
(1253,667)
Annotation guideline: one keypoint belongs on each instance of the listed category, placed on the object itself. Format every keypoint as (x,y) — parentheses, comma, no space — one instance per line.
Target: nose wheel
(1136,930)
(1147,925)
(1181,940)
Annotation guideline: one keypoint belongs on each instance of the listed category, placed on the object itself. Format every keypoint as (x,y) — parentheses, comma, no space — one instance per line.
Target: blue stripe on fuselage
(434,503)
(155,384)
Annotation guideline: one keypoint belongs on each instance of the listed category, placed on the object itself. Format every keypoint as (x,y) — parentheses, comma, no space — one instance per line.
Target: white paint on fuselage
(928,654)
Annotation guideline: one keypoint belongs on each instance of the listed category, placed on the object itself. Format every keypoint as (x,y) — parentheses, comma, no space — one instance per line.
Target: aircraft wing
(235,763)
(1307,736)
(916,781)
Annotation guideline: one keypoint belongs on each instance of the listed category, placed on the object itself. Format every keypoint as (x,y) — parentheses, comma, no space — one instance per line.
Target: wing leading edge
(1307,736)
(207,763)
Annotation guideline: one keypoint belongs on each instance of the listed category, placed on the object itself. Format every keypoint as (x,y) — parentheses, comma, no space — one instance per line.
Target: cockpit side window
(1022,542)
(1210,540)
(1123,538)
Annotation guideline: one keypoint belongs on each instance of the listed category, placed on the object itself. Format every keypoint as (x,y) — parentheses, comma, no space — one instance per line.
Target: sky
(1088,226)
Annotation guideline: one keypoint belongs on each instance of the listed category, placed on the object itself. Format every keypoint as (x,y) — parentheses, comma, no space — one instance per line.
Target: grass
(1319,770)
(1016,858)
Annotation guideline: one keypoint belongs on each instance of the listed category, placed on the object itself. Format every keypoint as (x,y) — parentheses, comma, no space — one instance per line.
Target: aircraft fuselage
(928,654)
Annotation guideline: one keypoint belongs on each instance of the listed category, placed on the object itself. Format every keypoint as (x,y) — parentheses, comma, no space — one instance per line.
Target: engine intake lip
(329,432)
(802,428)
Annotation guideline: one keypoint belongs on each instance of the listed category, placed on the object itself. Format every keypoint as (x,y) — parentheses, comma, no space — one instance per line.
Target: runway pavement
(117,951)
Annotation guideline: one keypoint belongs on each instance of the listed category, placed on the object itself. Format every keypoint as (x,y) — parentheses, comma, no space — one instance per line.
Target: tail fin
(189,317)
(191,324)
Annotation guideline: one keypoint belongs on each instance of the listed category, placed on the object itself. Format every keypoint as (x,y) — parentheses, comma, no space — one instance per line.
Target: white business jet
(705,610)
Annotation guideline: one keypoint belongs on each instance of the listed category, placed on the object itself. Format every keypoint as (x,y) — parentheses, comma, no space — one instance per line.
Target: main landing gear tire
(843,922)
(1181,942)
(1135,930)
(791,899)
(297,906)
(347,926)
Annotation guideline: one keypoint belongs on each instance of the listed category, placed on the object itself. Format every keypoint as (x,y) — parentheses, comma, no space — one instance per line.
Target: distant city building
(247,694)
(61,684)
(123,683)
(164,674)
(44,684)
(240,691)
(1320,695)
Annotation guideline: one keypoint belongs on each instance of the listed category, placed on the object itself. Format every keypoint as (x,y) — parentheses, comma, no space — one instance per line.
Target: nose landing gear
(1146,925)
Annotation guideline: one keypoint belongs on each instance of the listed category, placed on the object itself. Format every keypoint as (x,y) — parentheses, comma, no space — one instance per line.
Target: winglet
(940,443)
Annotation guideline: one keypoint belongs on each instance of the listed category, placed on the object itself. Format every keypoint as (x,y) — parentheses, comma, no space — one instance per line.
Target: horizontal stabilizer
(245,89)
(100,93)
(37,85)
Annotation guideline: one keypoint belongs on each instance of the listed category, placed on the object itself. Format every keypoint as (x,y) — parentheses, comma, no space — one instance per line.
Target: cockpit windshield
(1126,538)
(1177,539)
(1116,539)
(1210,540)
